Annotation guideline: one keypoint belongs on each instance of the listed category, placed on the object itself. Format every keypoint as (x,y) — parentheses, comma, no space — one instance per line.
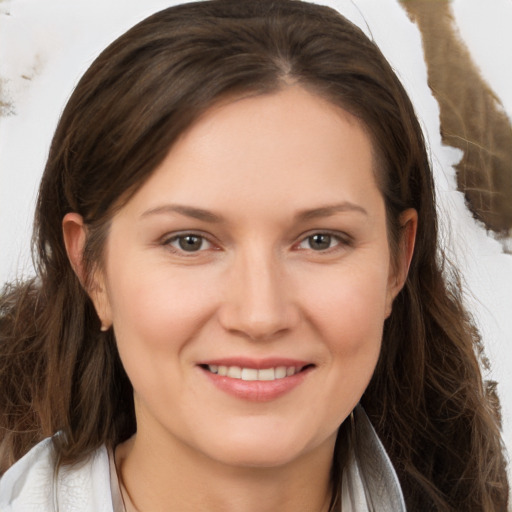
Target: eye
(320,242)
(188,242)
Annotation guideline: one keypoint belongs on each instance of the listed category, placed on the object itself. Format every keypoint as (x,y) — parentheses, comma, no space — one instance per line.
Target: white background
(46,46)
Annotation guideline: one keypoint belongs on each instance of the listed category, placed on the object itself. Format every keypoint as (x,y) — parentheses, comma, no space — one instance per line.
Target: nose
(258,299)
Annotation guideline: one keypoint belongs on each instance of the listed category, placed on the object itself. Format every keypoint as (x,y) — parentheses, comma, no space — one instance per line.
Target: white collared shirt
(369,482)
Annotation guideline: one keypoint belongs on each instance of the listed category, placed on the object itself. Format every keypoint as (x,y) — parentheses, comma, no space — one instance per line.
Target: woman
(236,238)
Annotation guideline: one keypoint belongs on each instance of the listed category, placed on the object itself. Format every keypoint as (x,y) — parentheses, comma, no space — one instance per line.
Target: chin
(256,456)
(262,448)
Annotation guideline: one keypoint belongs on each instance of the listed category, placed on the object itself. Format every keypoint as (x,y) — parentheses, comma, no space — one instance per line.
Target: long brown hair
(59,373)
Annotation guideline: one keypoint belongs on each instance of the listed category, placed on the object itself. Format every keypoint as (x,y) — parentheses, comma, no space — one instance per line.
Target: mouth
(255,374)
(256,381)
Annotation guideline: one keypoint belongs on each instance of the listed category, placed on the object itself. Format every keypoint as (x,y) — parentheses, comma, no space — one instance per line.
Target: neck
(171,477)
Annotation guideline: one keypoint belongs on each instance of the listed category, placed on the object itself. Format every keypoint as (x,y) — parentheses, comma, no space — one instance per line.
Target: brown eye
(189,242)
(322,241)
(319,241)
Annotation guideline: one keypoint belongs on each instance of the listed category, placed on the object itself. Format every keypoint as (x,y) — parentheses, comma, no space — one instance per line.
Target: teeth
(267,374)
(281,372)
(251,374)
(235,372)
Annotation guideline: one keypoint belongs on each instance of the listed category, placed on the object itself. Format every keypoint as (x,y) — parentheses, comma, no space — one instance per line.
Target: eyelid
(166,240)
(344,239)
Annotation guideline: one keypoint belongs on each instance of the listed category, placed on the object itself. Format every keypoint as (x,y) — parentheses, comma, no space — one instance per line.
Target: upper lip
(258,364)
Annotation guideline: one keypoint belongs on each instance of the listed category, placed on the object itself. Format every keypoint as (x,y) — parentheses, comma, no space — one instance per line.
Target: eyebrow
(187,211)
(329,210)
(208,216)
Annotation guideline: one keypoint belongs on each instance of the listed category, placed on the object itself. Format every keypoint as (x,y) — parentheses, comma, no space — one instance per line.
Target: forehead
(261,149)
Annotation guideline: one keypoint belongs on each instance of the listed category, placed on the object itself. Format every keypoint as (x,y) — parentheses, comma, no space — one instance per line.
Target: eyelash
(342,241)
(167,242)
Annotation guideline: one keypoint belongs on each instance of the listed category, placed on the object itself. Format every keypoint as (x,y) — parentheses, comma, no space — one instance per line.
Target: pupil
(190,243)
(320,242)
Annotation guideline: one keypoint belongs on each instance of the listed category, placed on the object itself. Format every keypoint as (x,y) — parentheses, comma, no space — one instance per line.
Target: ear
(400,268)
(74,233)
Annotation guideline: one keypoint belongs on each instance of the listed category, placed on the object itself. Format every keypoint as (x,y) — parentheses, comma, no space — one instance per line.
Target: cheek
(349,306)
(158,310)
(156,314)
(347,309)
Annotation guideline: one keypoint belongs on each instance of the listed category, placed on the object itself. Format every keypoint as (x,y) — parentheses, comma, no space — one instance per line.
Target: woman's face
(248,281)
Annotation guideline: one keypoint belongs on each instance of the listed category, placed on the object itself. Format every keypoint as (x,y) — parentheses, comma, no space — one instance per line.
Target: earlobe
(398,277)
(74,234)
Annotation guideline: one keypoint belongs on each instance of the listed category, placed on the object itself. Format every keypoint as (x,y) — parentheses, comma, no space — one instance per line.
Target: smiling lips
(256,381)
(252,374)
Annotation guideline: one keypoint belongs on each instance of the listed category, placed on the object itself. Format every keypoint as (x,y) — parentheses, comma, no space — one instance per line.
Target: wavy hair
(58,372)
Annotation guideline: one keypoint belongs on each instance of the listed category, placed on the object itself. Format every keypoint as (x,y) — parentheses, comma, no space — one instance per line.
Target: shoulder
(34,485)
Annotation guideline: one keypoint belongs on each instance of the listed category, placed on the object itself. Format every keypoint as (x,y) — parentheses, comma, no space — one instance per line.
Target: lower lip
(257,390)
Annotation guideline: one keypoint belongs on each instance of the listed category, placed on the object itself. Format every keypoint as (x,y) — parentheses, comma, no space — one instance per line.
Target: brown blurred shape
(472,117)
(5,106)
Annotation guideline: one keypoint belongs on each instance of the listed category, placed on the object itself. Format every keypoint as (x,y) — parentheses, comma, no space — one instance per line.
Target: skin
(257,287)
